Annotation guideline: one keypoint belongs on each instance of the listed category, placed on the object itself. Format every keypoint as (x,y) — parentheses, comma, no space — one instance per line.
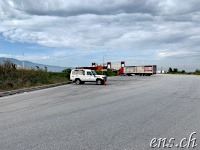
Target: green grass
(12,78)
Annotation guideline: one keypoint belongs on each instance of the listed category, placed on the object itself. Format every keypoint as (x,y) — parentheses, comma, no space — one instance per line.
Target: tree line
(176,71)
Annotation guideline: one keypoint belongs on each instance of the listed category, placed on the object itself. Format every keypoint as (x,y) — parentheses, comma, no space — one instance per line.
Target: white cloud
(179,53)
(105,25)
(29,57)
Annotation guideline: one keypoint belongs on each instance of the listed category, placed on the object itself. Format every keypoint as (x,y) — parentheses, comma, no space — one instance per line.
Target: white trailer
(146,70)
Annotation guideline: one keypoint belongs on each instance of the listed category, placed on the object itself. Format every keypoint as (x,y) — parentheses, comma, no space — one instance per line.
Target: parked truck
(138,70)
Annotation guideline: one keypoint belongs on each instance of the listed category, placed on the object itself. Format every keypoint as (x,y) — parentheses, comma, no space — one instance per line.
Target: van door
(82,75)
(88,76)
(93,78)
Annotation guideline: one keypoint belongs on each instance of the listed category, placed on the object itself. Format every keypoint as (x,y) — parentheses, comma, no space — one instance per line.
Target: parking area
(127,113)
(123,80)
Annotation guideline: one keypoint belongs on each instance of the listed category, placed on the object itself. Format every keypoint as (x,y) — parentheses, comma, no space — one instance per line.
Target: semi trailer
(138,70)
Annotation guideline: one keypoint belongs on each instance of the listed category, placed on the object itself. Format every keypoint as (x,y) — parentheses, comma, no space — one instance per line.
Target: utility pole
(103,63)
(23,60)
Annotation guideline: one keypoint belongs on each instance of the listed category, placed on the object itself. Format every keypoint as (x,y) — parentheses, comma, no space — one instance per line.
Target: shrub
(67,72)
(183,71)
(197,72)
(12,78)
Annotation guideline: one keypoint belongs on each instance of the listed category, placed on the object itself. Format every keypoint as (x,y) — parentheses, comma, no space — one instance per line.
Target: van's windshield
(93,72)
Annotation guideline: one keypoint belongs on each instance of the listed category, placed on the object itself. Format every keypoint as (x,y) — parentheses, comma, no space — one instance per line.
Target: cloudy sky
(78,32)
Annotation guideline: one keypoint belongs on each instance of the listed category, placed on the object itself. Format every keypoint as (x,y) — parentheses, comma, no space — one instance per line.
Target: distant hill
(33,65)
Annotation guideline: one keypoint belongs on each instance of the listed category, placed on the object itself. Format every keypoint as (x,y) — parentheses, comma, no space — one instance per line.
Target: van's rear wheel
(99,82)
(78,81)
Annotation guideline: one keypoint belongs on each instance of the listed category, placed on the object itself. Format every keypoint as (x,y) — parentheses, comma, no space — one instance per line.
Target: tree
(175,70)
(183,71)
(170,69)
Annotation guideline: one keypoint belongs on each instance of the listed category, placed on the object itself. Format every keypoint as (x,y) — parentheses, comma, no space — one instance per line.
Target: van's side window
(89,73)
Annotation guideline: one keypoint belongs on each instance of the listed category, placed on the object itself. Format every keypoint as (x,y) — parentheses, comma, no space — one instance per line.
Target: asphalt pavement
(126,114)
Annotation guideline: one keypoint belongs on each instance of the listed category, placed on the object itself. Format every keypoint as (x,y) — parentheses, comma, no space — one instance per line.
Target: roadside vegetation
(176,71)
(197,72)
(12,78)
(107,73)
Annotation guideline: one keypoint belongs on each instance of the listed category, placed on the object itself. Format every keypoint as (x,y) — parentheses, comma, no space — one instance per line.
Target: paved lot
(127,113)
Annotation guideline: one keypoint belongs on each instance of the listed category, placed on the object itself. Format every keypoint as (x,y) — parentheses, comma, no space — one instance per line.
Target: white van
(80,76)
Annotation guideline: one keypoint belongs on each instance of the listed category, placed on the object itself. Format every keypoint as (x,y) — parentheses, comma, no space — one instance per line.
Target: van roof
(82,69)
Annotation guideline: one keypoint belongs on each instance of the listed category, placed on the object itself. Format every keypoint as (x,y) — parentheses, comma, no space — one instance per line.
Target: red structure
(122,63)
(109,65)
(99,67)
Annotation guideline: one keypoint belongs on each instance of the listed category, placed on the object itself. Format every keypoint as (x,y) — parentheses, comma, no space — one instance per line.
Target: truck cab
(80,76)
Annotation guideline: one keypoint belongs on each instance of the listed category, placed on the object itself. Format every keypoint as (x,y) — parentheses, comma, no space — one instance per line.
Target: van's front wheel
(99,82)
(78,81)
